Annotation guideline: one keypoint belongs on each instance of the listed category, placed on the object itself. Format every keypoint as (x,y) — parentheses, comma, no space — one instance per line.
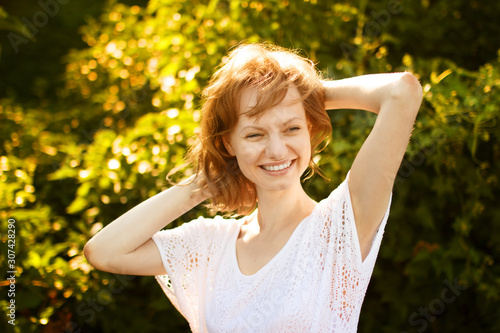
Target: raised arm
(396,98)
(125,245)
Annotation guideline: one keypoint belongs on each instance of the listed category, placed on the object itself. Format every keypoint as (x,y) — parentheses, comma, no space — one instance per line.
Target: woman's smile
(277,167)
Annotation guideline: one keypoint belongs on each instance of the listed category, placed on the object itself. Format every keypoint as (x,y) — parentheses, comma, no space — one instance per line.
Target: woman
(291,264)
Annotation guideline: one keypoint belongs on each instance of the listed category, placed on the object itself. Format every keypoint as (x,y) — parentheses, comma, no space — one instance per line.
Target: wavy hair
(270,69)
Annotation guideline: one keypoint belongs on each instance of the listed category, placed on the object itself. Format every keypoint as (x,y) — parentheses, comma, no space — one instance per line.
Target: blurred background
(100,99)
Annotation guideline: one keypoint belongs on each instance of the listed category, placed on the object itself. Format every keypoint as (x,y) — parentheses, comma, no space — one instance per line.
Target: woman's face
(272,151)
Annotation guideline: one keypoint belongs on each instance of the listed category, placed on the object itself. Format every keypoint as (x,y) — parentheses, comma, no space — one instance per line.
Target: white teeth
(277,167)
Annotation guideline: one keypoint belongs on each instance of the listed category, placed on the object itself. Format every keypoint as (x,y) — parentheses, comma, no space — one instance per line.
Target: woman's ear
(227,144)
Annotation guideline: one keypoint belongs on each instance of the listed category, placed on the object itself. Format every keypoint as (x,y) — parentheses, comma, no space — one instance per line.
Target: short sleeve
(184,253)
(349,275)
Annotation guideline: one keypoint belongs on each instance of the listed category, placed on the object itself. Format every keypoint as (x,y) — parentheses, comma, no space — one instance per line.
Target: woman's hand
(200,192)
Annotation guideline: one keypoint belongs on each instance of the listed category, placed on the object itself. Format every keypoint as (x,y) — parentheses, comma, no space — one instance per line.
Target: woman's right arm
(125,245)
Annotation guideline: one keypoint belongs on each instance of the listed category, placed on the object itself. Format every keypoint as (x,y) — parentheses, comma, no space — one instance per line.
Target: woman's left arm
(396,98)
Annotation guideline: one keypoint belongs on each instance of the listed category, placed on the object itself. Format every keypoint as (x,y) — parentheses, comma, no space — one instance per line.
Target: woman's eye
(252,136)
(294,129)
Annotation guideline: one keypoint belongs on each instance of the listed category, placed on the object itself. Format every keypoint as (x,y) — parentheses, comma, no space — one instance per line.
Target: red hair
(271,70)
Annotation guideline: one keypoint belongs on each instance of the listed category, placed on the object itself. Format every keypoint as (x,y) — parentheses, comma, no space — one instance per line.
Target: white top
(315,283)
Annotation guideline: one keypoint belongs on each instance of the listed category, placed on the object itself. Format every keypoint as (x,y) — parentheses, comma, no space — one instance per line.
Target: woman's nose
(276,147)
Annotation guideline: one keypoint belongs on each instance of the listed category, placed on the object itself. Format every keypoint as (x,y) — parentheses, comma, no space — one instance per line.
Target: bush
(77,154)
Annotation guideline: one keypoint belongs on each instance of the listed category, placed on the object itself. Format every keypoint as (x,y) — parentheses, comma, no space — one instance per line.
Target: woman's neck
(279,210)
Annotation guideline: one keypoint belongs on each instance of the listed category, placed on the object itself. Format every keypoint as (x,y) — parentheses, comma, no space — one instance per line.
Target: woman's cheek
(251,150)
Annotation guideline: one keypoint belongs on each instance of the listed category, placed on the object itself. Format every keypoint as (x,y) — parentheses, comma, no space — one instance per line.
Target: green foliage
(118,113)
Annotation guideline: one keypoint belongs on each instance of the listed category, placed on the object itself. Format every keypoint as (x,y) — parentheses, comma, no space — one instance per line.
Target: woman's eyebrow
(293,119)
(286,122)
(251,127)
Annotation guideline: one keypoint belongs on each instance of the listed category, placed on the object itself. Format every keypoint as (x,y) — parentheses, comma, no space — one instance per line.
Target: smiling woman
(254,80)
(276,144)
(288,264)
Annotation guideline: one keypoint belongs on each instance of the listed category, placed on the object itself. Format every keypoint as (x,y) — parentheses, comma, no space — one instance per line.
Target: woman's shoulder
(201,228)
(215,223)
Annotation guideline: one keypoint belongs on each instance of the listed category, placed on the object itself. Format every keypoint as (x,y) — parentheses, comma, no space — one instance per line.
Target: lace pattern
(316,283)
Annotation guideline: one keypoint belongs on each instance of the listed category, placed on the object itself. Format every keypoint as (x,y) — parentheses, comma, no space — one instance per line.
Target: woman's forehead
(291,107)
(249,99)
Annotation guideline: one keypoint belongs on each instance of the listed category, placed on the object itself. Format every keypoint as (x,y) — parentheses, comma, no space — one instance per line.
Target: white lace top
(316,283)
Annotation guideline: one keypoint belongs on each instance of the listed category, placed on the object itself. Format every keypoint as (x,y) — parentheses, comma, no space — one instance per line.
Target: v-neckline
(234,256)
